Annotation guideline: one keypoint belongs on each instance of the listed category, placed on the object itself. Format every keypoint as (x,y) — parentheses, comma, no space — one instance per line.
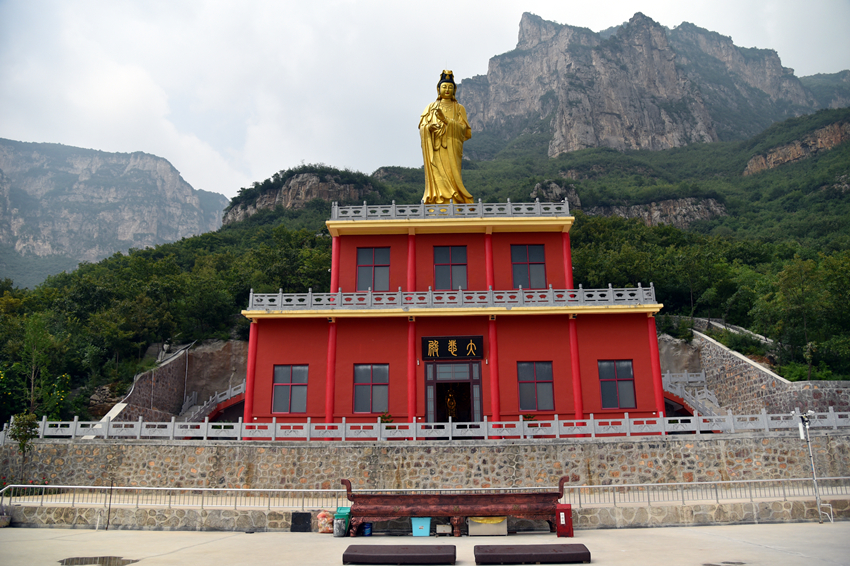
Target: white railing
(214,400)
(700,399)
(472,210)
(550,297)
(592,427)
(680,493)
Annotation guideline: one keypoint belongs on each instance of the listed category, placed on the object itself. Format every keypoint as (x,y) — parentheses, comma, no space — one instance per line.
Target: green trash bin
(342,518)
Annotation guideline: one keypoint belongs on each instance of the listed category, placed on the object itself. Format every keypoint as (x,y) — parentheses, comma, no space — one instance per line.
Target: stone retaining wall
(429,464)
(157,395)
(745,387)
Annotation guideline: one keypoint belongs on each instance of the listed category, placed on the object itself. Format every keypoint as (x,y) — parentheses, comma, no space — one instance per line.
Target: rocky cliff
(295,192)
(64,205)
(816,142)
(641,86)
(681,212)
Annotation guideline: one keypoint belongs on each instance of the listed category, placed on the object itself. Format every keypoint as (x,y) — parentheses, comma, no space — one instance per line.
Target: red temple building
(460,312)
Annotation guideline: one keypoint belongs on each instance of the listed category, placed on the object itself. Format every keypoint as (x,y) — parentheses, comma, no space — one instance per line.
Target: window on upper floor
(618,384)
(371,388)
(373,269)
(528,264)
(536,392)
(449,267)
(290,389)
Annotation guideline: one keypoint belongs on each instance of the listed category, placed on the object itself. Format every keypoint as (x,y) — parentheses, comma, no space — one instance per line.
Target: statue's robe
(442,152)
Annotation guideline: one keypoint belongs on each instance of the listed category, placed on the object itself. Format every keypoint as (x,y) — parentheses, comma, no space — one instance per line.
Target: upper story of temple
(424,257)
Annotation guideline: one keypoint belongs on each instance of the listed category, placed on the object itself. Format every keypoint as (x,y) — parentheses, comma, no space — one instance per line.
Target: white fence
(307,430)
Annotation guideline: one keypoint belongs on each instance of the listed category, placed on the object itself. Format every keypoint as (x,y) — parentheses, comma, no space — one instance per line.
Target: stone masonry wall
(745,387)
(429,464)
(157,393)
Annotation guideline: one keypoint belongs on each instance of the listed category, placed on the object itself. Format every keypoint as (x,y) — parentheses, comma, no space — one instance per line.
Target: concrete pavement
(809,544)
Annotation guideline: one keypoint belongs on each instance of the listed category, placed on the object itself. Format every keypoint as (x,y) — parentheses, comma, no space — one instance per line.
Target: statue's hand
(440,115)
(433,128)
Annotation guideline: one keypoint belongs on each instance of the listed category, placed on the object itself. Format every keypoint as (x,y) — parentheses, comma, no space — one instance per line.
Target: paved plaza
(809,544)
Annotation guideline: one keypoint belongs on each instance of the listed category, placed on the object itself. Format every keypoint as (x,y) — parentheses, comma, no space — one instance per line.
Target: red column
(658,386)
(334,265)
(411,263)
(248,416)
(488,260)
(411,371)
(495,401)
(575,368)
(568,260)
(330,383)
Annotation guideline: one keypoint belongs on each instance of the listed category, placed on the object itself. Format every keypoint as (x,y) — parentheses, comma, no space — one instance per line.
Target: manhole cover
(101,560)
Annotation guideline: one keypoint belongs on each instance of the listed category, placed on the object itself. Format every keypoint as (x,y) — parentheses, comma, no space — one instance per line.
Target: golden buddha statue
(443,129)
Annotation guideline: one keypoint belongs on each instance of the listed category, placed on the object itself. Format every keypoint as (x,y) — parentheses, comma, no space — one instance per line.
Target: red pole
(495,400)
(411,263)
(248,415)
(411,371)
(330,383)
(488,260)
(575,368)
(658,386)
(334,265)
(568,260)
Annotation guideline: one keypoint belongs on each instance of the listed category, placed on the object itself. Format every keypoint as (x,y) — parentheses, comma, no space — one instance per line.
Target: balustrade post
(279,298)
(392,210)
(309,430)
(731,419)
(697,423)
(139,430)
(480,209)
(430,297)
(765,421)
(343,429)
(628,424)
(106,427)
(206,427)
(251,300)
(832,418)
(241,429)
(580,294)
(379,425)
(510,210)
(551,297)
(592,427)
(274,428)
(486,426)
(171,428)
(309,297)
(537,206)
(400,298)
(521,298)
(73,428)
(450,430)
(42,427)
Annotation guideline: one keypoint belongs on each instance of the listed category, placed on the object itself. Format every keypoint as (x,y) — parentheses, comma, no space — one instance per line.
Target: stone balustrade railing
(441,211)
(453,299)
(763,423)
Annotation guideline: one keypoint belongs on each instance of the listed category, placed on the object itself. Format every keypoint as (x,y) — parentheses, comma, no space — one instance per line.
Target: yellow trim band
(471,311)
(450,225)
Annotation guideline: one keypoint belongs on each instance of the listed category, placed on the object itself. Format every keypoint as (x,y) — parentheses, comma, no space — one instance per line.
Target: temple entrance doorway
(453,389)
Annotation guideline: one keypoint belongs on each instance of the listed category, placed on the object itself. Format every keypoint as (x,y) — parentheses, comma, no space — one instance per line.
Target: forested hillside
(778,262)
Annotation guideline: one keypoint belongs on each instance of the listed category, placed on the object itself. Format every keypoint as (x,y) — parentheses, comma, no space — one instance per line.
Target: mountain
(637,86)
(61,205)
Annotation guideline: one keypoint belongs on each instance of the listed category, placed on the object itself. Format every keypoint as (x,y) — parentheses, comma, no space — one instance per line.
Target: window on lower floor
(618,384)
(528,265)
(290,389)
(536,392)
(371,388)
(373,269)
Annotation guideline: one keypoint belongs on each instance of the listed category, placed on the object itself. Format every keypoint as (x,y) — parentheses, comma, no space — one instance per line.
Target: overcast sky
(231,92)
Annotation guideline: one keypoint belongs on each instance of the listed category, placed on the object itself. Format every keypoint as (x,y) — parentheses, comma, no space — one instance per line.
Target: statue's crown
(447,76)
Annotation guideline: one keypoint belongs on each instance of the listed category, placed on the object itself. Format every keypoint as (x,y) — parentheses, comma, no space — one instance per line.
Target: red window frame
(612,383)
(372,266)
(524,256)
(453,285)
(286,388)
(371,385)
(536,385)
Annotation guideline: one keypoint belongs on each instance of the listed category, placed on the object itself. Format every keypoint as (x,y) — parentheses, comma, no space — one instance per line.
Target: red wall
(521,338)
(615,337)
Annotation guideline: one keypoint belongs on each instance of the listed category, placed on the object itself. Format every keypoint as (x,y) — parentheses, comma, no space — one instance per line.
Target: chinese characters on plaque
(452,347)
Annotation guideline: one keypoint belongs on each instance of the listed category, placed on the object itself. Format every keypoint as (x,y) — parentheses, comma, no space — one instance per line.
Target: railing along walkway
(579,496)
(307,430)
(211,403)
(430,299)
(439,211)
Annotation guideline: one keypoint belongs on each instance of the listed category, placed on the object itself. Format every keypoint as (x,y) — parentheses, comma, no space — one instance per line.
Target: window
(529,266)
(450,267)
(535,386)
(371,388)
(290,389)
(373,269)
(618,384)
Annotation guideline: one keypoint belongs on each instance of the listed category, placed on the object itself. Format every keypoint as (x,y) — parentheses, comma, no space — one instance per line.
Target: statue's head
(446,78)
